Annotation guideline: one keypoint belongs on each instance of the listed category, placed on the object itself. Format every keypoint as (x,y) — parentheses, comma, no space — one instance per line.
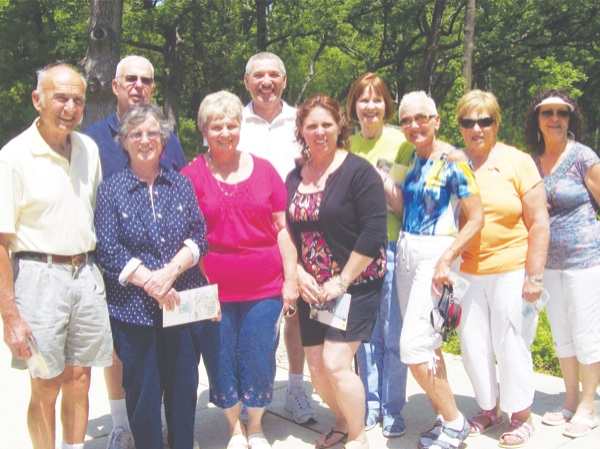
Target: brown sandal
(486,420)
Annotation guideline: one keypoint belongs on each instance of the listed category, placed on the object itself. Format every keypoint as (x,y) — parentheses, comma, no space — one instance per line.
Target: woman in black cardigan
(337,216)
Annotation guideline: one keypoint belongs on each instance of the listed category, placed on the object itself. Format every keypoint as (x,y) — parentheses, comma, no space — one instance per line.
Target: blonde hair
(480,102)
(218,105)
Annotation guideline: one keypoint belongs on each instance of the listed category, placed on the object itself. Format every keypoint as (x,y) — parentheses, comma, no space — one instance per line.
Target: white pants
(491,326)
(574,312)
(416,258)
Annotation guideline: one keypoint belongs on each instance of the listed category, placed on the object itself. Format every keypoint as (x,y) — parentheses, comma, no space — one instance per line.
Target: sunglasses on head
(482,122)
(549,113)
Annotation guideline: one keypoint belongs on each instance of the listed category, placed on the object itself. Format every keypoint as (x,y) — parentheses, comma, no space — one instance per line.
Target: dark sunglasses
(549,113)
(482,122)
(130,79)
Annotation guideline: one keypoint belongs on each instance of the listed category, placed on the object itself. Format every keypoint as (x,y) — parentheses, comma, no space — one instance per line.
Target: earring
(570,136)
(306,154)
(539,136)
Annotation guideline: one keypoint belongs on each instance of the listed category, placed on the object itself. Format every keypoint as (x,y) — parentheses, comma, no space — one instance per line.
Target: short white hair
(261,56)
(418,97)
(130,58)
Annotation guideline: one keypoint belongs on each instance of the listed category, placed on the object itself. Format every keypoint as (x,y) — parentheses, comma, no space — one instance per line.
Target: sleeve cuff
(194,249)
(131,266)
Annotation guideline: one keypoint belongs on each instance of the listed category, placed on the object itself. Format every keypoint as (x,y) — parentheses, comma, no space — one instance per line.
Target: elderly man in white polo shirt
(267,131)
(51,291)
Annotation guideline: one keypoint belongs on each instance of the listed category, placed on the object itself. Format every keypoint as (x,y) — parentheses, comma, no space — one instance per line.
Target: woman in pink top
(252,260)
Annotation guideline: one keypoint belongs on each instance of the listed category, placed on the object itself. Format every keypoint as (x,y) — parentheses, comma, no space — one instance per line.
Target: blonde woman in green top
(381,371)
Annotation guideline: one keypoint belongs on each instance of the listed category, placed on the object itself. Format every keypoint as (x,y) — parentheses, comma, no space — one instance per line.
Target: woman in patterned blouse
(337,214)
(150,238)
(571,174)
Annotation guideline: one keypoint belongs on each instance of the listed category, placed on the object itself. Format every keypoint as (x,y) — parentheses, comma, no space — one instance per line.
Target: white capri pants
(491,326)
(574,312)
(416,258)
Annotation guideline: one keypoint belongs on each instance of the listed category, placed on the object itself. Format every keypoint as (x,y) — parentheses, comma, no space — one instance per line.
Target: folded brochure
(336,317)
(195,305)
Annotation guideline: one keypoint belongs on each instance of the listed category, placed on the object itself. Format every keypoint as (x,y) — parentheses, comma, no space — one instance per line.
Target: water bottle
(531,310)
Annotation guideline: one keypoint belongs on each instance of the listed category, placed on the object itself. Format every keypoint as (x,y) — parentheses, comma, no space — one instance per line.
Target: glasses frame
(419,119)
(145,80)
(560,113)
(152,135)
(468,123)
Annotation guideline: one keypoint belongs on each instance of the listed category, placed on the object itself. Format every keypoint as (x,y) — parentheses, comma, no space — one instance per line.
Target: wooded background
(513,48)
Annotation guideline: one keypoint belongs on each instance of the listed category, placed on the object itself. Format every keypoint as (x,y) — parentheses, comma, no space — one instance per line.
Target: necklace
(319,177)
(215,170)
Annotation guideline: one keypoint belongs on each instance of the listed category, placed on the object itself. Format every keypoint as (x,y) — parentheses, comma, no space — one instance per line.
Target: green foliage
(201,46)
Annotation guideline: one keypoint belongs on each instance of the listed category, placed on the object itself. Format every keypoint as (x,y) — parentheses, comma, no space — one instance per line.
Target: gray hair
(218,105)
(137,115)
(130,58)
(43,72)
(418,97)
(262,56)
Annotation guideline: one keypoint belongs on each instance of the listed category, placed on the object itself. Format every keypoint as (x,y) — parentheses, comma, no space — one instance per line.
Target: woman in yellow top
(504,264)
(381,371)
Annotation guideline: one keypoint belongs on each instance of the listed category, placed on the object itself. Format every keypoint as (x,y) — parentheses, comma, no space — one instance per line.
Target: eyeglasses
(468,123)
(138,135)
(132,79)
(549,113)
(419,119)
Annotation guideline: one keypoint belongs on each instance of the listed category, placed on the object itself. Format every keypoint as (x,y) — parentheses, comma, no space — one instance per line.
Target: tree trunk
(101,58)
(469,47)
(261,24)
(433,39)
(173,77)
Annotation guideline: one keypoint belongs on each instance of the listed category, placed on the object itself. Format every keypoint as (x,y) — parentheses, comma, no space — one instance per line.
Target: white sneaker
(298,405)
(120,438)
(165,433)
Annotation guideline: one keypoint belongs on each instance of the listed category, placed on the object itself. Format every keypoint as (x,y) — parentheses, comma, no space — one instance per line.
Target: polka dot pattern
(134,220)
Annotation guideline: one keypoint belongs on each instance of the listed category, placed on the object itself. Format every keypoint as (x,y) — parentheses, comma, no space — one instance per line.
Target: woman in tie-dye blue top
(439,179)
(432,191)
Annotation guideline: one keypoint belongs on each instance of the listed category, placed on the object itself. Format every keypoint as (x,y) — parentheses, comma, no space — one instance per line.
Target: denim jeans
(161,363)
(246,343)
(381,371)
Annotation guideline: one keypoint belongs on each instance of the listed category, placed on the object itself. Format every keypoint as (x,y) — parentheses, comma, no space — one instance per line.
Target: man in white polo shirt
(51,291)
(267,131)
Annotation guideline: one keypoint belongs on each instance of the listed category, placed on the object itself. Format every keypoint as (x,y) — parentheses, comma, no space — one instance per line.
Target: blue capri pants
(247,343)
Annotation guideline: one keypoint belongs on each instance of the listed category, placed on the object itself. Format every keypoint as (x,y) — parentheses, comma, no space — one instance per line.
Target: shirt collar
(113,123)
(41,148)
(287,113)
(132,182)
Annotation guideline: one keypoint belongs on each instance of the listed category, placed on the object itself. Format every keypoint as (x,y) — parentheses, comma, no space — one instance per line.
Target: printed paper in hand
(195,305)
(338,316)
(36,364)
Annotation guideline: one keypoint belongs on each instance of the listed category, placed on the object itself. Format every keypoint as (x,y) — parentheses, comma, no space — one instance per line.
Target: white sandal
(238,442)
(258,441)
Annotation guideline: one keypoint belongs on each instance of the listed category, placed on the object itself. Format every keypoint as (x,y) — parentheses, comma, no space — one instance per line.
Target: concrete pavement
(280,430)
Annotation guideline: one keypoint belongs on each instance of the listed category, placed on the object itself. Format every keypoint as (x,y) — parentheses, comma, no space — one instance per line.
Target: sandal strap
(520,429)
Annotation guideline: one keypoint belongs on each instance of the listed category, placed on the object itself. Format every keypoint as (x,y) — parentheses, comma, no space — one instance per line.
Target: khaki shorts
(67,314)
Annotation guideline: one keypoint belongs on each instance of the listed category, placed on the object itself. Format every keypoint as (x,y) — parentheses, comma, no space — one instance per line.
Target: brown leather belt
(74,261)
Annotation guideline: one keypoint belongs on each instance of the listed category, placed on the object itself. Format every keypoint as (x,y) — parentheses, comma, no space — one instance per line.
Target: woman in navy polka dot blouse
(151,236)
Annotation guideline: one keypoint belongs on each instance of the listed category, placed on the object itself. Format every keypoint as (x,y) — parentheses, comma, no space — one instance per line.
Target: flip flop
(332,433)
(580,427)
(557,417)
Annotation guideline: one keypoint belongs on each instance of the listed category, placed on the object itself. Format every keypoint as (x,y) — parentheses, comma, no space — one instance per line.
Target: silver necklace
(215,171)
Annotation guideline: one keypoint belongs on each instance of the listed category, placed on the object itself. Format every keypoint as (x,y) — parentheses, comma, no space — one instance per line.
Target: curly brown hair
(334,108)
(533,136)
